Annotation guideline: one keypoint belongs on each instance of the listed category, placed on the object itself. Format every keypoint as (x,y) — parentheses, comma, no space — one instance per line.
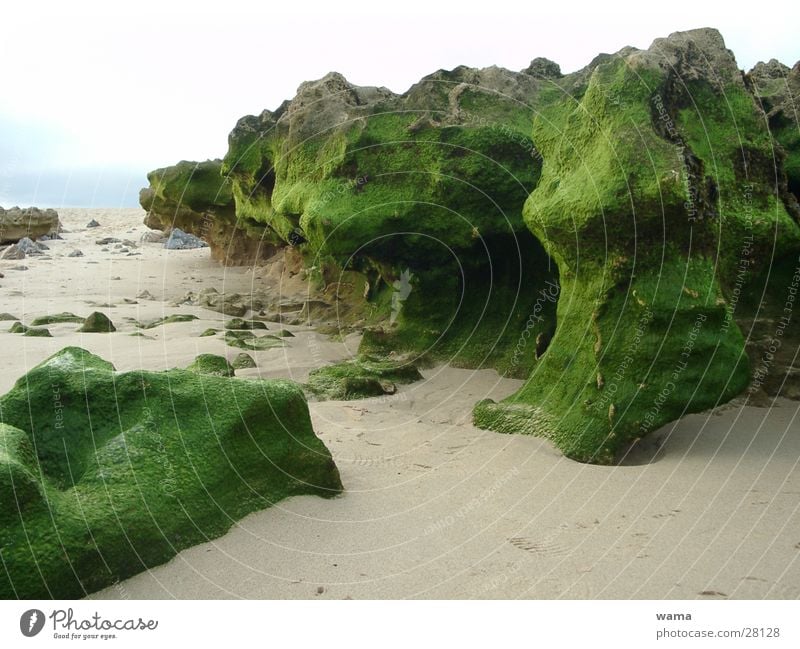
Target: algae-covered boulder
(657,199)
(211,364)
(251,341)
(243,361)
(57,318)
(97,322)
(240,324)
(360,378)
(37,332)
(104,474)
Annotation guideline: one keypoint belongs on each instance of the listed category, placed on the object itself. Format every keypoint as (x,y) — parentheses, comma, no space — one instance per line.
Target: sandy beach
(707,507)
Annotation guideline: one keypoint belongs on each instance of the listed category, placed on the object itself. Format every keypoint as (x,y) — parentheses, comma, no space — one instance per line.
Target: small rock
(37,333)
(29,247)
(145,295)
(243,361)
(19,268)
(153,236)
(13,252)
(244,325)
(76,253)
(211,364)
(97,323)
(92,224)
(180,240)
(106,241)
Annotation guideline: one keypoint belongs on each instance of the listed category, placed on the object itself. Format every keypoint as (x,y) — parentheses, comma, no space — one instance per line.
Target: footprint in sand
(544,547)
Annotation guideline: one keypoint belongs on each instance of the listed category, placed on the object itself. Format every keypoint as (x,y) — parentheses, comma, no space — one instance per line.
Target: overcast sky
(93,96)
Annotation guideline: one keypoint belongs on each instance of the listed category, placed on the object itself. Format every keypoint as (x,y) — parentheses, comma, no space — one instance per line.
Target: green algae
(37,333)
(240,324)
(366,376)
(57,318)
(211,364)
(250,341)
(243,361)
(644,223)
(112,473)
(97,323)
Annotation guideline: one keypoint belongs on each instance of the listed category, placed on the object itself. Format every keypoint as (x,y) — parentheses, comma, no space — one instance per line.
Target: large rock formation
(193,197)
(625,237)
(104,474)
(31,222)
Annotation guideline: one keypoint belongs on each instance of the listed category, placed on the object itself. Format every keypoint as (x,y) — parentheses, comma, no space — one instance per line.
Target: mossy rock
(646,207)
(7,317)
(18,328)
(598,234)
(106,474)
(248,340)
(37,332)
(209,332)
(175,317)
(360,378)
(97,322)
(239,324)
(284,333)
(211,364)
(243,361)
(57,318)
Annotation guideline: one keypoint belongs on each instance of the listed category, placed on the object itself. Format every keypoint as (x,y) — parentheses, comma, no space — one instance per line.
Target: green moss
(366,376)
(57,318)
(99,488)
(243,361)
(211,364)
(209,332)
(97,323)
(37,333)
(248,340)
(196,185)
(645,222)
(240,324)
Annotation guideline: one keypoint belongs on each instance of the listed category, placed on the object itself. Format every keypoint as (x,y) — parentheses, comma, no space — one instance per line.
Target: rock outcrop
(104,474)
(624,237)
(195,198)
(31,222)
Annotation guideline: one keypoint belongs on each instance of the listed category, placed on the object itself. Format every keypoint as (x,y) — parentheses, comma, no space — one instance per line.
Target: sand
(708,507)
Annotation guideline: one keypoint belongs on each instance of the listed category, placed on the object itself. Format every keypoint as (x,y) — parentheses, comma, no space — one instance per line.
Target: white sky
(88,88)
